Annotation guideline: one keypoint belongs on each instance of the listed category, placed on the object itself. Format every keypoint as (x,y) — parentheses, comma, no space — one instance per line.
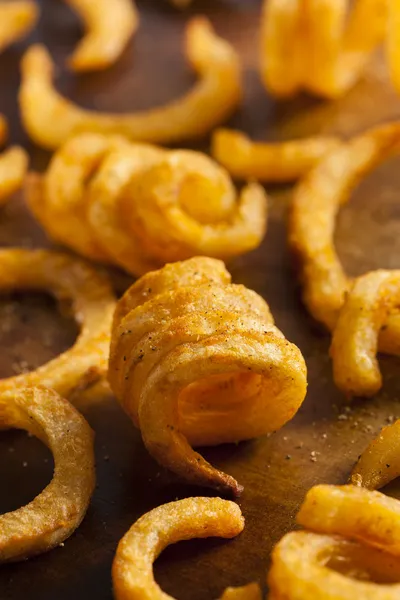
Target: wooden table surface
(277,470)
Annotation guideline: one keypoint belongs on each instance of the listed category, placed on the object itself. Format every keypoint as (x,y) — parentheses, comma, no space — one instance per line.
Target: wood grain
(326,437)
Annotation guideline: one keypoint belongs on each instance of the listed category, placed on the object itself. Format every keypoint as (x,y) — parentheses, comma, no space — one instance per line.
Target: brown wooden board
(277,470)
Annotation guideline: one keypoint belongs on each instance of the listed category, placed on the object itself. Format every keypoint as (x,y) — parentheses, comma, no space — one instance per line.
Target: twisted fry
(17,18)
(315,205)
(278,162)
(303,563)
(318,47)
(379,464)
(55,513)
(355,337)
(196,360)
(13,167)
(133,577)
(51,119)
(109,26)
(139,206)
(92,304)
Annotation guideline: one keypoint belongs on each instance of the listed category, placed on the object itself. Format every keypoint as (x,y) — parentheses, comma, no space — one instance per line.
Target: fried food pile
(196,361)
(139,206)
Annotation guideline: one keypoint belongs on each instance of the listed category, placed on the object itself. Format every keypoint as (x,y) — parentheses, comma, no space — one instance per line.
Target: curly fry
(55,514)
(3,129)
(139,206)
(248,592)
(17,18)
(393,42)
(51,119)
(315,205)
(280,162)
(93,307)
(379,464)
(109,26)
(303,563)
(13,167)
(315,46)
(355,337)
(132,571)
(196,360)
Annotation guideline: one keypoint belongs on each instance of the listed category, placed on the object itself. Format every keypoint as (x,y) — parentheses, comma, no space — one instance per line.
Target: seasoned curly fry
(315,205)
(109,27)
(51,119)
(55,513)
(197,361)
(317,46)
(93,306)
(379,464)
(13,166)
(251,591)
(17,18)
(139,206)
(132,571)
(393,42)
(280,162)
(355,337)
(303,563)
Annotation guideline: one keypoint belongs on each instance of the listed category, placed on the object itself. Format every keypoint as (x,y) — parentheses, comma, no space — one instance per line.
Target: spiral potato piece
(315,205)
(197,361)
(355,536)
(50,119)
(13,167)
(132,572)
(17,18)
(140,206)
(321,46)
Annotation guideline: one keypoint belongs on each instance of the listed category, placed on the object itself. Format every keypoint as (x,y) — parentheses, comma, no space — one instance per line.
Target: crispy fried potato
(132,571)
(393,42)
(363,541)
(109,26)
(3,129)
(55,513)
(51,119)
(317,46)
(315,205)
(197,361)
(13,167)
(92,304)
(379,464)
(276,162)
(251,591)
(140,206)
(17,18)
(355,337)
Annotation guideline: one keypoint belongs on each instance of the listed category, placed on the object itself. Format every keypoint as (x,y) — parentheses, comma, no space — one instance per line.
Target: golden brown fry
(51,119)
(132,571)
(55,513)
(315,205)
(393,42)
(380,462)
(17,18)
(305,565)
(139,206)
(109,27)
(13,167)
(197,361)
(279,162)
(317,46)
(92,304)
(251,591)
(355,337)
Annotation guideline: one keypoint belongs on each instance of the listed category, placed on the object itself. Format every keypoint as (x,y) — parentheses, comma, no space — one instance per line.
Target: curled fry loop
(109,27)
(92,305)
(132,571)
(55,513)
(138,206)
(322,46)
(346,525)
(50,119)
(17,18)
(275,162)
(13,167)
(315,205)
(197,361)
